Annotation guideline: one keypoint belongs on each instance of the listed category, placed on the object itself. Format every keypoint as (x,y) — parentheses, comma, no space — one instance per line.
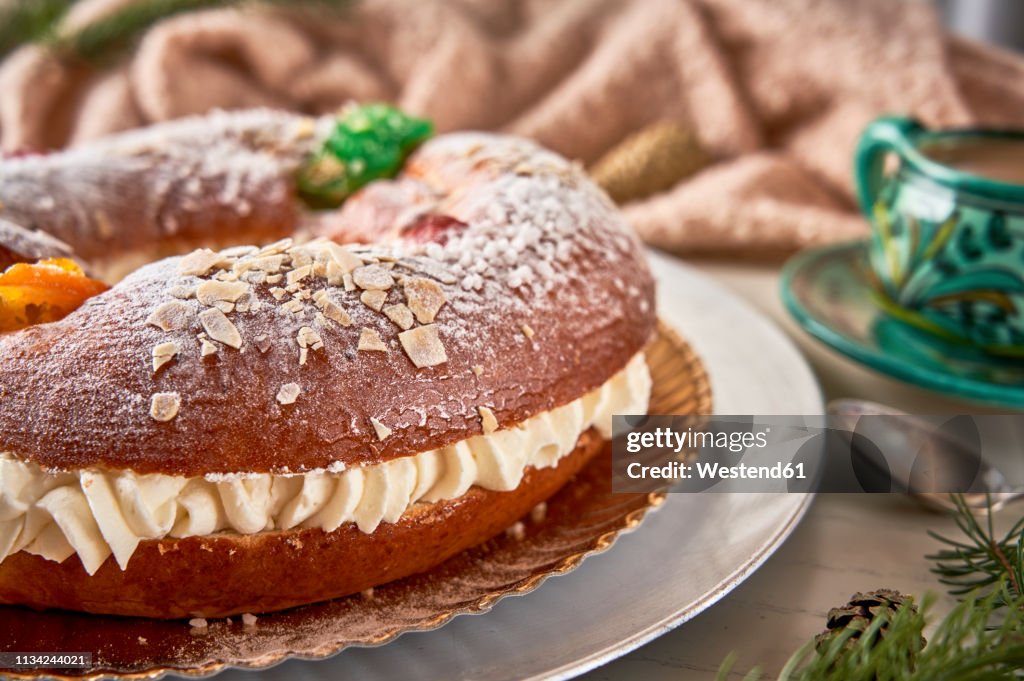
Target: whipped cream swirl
(96,513)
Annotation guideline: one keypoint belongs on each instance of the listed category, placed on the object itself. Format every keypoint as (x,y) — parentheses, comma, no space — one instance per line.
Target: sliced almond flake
(528,331)
(298,274)
(224,306)
(220,327)
(320,269)
(319,297)
(255,277)
(211,292)
(208,349)
(262,342)
(335,313)
(487,420)
(303,355)
(173,315)
(227,275)
(278,292)
(372,278)
(288,393)
(163,353)
(293,306)
(182,291)
(301,258)
(308,338)
(374,299)
(239,251)
(424,297)
(199,263)
(423,346)
(277,247)
(345,259)
(244,303)
(164,406)
(350,284)
(263,263)
(335,275)
(430,268)
(369,340)
(400,315)
(274,278)
(478,369)
(383,432)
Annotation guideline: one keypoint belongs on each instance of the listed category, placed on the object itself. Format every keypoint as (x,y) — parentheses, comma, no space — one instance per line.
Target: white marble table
(847,543)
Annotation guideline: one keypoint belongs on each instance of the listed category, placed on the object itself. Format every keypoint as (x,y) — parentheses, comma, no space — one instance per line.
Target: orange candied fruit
(33,293)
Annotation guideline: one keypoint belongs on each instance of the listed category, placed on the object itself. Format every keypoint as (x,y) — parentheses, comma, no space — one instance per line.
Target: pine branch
(24,21)
(964,647)
(973,565)
(982,638)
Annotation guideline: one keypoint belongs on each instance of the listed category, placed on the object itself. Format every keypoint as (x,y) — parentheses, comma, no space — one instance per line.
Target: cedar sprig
(974,564)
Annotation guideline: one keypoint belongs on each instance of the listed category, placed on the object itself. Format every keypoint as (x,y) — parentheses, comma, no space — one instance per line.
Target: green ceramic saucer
(827,292)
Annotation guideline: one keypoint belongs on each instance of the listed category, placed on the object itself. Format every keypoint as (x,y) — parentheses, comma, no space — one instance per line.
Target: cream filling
(96,514)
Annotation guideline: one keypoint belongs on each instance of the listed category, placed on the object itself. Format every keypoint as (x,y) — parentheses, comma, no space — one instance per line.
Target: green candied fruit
(369,142)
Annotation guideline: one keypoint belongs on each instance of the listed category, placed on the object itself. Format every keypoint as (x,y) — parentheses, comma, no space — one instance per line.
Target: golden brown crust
(199,179)
(548,296)
(227,574)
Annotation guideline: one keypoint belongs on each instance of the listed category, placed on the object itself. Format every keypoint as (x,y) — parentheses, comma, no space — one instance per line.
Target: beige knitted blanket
(776,91)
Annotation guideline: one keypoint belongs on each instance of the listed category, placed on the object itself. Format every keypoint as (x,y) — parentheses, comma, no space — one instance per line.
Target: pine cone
(858,615)
(649,161)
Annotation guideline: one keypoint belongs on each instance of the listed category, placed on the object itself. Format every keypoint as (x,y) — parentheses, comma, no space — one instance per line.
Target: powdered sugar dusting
(531,243)
(193,178)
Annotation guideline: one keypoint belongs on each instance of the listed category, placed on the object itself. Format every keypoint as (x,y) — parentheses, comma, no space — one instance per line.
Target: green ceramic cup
(947,245)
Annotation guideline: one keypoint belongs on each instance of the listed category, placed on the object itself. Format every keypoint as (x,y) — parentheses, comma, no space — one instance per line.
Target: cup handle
(884,135)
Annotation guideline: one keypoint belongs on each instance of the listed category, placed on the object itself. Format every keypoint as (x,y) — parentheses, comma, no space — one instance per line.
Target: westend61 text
(703,470)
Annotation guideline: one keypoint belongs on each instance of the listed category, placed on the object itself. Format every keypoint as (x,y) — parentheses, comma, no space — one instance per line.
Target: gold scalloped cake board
(582,519)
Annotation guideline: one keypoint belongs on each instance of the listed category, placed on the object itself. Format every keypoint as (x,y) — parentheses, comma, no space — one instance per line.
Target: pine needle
(975,564)
(24,21)
(981,639)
